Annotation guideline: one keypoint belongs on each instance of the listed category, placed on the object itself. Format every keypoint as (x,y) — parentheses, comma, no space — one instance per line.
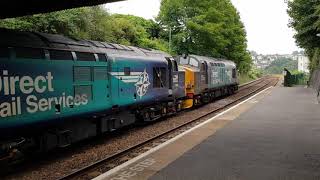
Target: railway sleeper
(71,132)
(115,121)
(64,135)
(9,152)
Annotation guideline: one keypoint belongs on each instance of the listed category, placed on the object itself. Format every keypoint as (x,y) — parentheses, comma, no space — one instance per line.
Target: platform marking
(130,162)
(254,101)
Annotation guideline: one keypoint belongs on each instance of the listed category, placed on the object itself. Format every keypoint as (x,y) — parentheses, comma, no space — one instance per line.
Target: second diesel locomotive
(56,90)
(207,78)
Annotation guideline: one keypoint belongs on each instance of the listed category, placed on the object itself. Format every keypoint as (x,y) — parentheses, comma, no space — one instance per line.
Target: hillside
(277,66)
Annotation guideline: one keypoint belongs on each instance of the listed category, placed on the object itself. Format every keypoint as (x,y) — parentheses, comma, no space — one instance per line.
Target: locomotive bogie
(56,91)
(207,78)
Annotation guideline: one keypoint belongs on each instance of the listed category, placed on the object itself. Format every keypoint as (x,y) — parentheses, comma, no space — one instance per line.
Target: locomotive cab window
(194,62)
(175,66)
(102,57)
(60,55)
(127,71)
(82,56)
(234,73)
(203,67)
(4,53)
(184,61)
(29,53)
(159,77)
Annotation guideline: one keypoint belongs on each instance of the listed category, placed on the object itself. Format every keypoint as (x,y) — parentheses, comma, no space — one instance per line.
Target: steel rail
(89,168)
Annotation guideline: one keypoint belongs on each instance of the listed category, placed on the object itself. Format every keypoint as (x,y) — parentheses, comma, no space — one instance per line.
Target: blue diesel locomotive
(57,90)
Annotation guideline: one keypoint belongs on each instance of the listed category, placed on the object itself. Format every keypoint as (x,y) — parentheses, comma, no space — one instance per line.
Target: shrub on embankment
(204,27)
(305,19)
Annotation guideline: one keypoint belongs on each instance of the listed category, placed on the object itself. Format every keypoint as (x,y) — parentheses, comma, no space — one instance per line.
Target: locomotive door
(128,77)
(114,85)
(173,75)
(204,75)
(224,76)
(215,75)
(101,85)
(126,82)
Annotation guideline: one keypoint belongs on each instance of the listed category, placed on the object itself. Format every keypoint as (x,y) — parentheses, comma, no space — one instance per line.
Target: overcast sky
(266,21)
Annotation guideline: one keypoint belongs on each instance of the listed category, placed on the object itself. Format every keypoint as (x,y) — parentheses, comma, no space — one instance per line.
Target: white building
(303,64)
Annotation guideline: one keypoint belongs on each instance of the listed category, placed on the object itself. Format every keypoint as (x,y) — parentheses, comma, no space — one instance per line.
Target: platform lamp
(170,38)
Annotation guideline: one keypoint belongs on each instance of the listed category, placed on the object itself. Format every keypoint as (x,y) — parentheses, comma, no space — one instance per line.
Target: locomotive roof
(214,60)
(14,38)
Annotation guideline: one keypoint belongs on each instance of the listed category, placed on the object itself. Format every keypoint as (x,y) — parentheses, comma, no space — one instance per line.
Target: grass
(244,78)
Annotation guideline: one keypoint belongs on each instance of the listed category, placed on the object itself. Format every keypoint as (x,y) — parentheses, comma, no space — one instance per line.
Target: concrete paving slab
(152,161)
(279,138)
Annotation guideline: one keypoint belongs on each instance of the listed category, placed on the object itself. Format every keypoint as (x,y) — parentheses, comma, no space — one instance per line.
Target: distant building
(263,61)
(303,64)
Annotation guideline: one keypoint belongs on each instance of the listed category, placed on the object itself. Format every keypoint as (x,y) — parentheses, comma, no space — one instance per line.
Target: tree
(277,66)
(207,27)
(137,31)
(77,23)
(305,20)
(93,23)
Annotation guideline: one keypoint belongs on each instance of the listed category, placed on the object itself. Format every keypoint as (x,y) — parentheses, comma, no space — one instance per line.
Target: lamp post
(170,38)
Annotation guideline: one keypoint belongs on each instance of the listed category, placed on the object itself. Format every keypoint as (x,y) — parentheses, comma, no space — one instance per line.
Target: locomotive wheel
(146,116)
(178,107)
(195,102)
(164,111)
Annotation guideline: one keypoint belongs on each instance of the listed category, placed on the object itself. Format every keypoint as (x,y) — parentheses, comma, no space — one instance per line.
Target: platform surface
(279,138)
(274,135)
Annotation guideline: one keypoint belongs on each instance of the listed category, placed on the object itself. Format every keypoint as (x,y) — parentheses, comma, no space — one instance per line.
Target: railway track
(248,84)
(112,161)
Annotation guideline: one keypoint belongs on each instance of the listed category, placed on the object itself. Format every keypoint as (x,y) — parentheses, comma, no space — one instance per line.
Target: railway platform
(273,135)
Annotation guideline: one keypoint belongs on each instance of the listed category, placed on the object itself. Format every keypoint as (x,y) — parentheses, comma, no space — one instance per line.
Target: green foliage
(68,22)
(93,23)
(146,32)
(315,59)
(255,73)
(296,78)
(277,66)
(207,27)
(245,78)
(305,20)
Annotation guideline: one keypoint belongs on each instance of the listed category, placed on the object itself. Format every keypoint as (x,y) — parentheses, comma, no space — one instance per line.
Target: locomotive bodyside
(55,90)
(207,78)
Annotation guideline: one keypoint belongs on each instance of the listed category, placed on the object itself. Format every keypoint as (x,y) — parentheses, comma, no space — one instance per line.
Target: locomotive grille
(100,73)
(82,74)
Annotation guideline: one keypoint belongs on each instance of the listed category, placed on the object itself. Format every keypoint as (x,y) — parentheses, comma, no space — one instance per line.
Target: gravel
(87,153)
